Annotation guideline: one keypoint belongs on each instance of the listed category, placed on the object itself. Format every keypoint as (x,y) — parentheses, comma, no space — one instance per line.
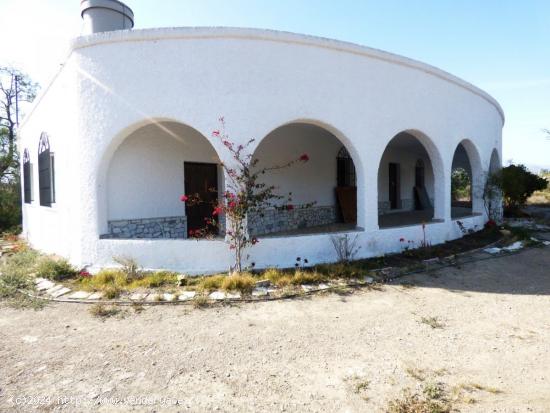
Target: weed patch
(102,311)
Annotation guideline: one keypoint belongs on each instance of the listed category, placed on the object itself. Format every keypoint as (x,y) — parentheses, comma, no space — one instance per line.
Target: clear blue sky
(502,46)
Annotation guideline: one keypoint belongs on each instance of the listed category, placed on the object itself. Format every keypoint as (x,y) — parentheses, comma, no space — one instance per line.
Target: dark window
(46,177)
(27,177)
(345,169)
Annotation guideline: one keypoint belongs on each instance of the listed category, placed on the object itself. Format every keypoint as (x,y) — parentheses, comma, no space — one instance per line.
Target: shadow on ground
(526,273)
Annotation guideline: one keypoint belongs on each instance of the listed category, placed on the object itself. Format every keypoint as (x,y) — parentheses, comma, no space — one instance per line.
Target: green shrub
(518,184)
(460,184)
(55,268)
(10,206)
(239,282)
(15,273)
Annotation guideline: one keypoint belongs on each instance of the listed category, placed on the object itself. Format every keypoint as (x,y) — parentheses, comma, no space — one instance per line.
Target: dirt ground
(328,353)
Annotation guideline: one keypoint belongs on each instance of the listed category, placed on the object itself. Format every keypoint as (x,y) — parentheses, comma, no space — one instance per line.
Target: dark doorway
(418,183)
(394,184)
(346,190)
(201,179)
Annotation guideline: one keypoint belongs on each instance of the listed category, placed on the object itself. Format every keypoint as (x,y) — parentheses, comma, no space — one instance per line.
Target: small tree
(492,196)
(460,184)
(245,194)
(16,89)
(518,184)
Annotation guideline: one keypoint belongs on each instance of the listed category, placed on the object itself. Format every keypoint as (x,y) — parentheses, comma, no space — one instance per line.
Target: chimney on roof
(105,16)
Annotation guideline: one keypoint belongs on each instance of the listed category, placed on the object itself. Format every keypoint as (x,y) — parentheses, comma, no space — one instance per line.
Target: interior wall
(312,181)
(406,155)
(146,175)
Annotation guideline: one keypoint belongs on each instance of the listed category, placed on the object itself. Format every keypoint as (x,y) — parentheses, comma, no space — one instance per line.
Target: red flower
(290,207)
(184,198)
(304,157)
(217,211)
(401,239)
(84,274)
(490,224)
(191,232)
(216,133)
(232,204)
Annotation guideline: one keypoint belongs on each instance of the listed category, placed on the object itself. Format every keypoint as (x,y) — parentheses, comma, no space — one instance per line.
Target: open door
(201,179)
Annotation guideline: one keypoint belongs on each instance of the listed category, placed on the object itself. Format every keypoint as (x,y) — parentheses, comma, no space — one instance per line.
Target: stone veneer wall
(167,227)
(275,220)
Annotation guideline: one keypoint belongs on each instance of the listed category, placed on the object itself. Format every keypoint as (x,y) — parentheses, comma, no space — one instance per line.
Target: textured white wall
(146,174)
(312,181)
(259,80)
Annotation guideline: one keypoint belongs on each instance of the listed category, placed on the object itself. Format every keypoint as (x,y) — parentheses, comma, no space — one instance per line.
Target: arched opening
(147,174)
(461,183)
(405,183)
(323,190)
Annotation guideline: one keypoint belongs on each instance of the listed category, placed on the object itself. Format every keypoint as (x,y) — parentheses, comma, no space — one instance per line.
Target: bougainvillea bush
(244,194)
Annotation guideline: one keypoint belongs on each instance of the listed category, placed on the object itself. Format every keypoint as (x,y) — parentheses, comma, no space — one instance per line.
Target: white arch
(437,165)
(108,154)
(345,141)
(477,173)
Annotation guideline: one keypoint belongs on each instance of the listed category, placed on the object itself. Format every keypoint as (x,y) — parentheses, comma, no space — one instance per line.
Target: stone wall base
(166,227)
(275,220)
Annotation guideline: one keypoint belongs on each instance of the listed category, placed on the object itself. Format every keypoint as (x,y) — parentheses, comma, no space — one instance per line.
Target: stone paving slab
(60,292)
(52,290)
(138,296)
(79,295)
(154,297)
(186,295)
(259,292)
(45,285)
(96,296)
(217,295)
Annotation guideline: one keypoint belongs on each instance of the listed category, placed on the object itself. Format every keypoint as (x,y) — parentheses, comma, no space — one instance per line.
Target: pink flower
(216,133)
(304,157)
(217,211)
(184,198)
(290,207)
(232,204)
(84,274)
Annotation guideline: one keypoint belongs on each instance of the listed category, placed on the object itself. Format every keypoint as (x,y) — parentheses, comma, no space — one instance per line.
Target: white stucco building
(125,128)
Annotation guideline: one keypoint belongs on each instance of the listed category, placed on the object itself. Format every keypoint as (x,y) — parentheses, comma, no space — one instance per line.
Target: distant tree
(16,88)
(460,184)
(518,184)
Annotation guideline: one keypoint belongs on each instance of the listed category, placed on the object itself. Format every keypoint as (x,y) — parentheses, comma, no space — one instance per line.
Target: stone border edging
(352,285)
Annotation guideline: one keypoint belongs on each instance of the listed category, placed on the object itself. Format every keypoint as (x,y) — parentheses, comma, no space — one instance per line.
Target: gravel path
(328,353)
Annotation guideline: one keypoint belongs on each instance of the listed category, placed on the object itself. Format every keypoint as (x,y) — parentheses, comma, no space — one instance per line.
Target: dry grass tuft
(103,312)
(416,373)
(433,322)
(201,301)
(414,403)
(239,282)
